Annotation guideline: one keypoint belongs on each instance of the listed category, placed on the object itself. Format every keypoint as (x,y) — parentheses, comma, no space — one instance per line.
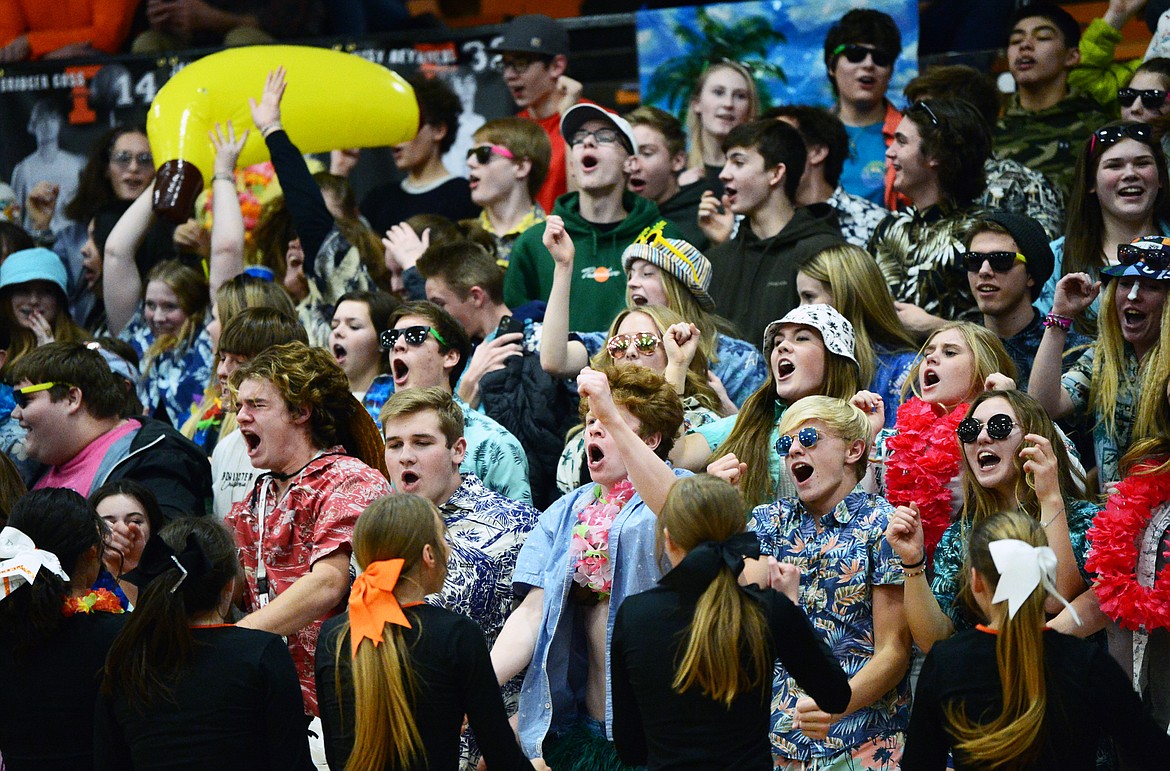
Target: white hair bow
(20,560)
(1022,567)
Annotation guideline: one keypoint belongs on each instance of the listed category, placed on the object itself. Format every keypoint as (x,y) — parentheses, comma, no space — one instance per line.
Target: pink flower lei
(1114,536)
(924,458)
(590,545)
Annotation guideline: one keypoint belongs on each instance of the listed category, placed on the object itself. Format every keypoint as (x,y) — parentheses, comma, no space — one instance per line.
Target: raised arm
(302,195)
(227,221)
(928,624)
(559,356)
(1074,293)
(681,342)
(121,284)
(1040,462)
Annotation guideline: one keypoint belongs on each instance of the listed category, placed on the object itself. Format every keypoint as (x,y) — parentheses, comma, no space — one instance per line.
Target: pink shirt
(78,472)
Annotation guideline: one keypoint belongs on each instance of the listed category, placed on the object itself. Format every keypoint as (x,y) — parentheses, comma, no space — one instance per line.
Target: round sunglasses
(807,437)
(998,427)
(645,343)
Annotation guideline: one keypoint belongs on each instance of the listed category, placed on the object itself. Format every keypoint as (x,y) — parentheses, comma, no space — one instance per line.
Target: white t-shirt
(232,473)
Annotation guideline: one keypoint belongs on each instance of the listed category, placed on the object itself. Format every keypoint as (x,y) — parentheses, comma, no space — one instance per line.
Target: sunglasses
(602,136)
(998,427)
(20,395)
(483,154)
(1151,98)
(1154,259)
(856,54)
(645,343)
(807,437)
(652,236)
(921,106)
(124,158)
(1111,135)
(1000,262)
(415,336)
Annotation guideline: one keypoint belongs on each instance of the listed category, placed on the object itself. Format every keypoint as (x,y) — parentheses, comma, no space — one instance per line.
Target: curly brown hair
(650,399)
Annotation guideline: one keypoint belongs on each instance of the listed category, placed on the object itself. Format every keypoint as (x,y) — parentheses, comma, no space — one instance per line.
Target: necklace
(590,545)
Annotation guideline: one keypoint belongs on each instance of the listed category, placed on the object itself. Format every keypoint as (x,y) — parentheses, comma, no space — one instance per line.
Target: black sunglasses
(1154,259)
(998,427)
(1152,98)
(807,437)
(415,336)
(921,106)
(1000,262)
(483,153)
(856,54)
(1110,135)
(21,395)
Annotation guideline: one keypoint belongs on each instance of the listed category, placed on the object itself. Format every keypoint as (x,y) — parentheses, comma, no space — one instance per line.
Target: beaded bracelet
(911,566)
(914,572)
(1056,320)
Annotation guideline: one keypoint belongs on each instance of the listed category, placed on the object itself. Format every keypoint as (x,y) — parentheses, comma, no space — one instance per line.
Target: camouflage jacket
(1018,189)
(1049,140)
(918,253)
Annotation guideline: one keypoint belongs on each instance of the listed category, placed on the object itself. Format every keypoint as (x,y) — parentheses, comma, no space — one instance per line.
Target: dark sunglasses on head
(1110,135)
(998,427)
(415,336)
(644,343)
(1000,262)
(483,154)
(21,395)
(921,106)
(856,54)
(1152,98)
(807,437)
(1154,259)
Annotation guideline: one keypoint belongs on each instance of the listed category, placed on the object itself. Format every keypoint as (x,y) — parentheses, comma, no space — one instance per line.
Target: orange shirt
(51,24)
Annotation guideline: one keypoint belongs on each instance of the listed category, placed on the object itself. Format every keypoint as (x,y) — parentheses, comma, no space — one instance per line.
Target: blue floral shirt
(493,454)
(175,378)
(552,698)
(893,367)
(839,567)
(741,367)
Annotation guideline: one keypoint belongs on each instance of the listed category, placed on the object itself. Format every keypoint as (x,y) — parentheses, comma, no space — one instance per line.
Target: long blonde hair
(726,621)
(986,348)
(680,300)
(860,294)
(695,123)
(393,527)
(1012,738)
(1109,369)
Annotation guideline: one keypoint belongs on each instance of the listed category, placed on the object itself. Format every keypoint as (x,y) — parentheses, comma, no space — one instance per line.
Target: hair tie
(158,557)
(22,560)
(372,603)
(1022,567)
(703,563)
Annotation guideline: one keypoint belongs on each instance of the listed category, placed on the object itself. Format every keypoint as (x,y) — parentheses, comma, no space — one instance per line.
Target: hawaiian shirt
(918,253)
(312,520)
(493,453)
(174,378)
(1013,187)
(1022,347)
(1049,140)
(857,216)
(893,369)
(504,241)
(951,554)
(839,567)
(1107,446)
(740,366)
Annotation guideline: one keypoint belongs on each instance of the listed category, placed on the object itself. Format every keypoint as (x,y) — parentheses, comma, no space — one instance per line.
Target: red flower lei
(1114,536)
(98,600)
(923,459)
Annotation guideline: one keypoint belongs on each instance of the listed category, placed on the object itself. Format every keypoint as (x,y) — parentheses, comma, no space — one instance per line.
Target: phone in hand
(509,324)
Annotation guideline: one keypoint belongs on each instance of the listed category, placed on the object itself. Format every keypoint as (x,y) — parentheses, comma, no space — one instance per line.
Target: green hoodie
(598,291)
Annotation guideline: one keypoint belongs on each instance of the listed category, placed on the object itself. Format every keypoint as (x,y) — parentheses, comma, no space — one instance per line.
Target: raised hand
(716,219)
(266,113)
(404,246)
(558,242)
(594,386)
(227,147)
(1074,293)
(41,203)
(681,341)
(1040,461)
(874,407)
(904,534)
(728,468)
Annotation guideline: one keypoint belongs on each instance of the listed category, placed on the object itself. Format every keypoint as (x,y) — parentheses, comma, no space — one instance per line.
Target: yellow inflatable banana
(333,100)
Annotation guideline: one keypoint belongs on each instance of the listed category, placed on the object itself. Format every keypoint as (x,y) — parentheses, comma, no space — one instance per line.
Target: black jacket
(683,211)
(167,463)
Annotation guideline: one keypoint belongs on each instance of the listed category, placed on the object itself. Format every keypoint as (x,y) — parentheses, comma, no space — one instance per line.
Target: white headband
(1022,567)
(21,560)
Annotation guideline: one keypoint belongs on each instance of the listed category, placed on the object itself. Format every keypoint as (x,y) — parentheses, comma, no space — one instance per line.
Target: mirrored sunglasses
(644,343)
(124,158)
(807,437)
(1154,259)
(602,136)
(998,427)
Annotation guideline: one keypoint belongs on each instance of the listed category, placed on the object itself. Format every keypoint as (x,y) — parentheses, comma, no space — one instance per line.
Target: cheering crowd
(797,439)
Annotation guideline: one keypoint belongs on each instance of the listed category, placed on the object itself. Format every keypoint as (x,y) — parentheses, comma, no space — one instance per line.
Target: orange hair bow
(372,603)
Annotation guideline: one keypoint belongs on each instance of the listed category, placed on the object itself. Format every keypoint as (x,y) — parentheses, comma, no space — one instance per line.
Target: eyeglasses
(415,336)
(856,54)
(1154,259)
(807,437)
(652,236)
(1110,135)
(645,343)
(483,154)
(1000,262)
(921,106)
(519,64)
(602,136)
(20,395)
(1152,98)
(998,427)
(125,157)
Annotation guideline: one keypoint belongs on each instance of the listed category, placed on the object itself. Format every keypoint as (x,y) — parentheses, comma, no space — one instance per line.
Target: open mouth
(1131,191)
(986,288)
(637,184)
(987,459)
(400,369)
(472,181)
(252,439)
(594,454)
(784,368)
(339,352)
(867,80)
(1024,62)
(409,478)
(801,472)
(929,378)
(638,299)
(588,162)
